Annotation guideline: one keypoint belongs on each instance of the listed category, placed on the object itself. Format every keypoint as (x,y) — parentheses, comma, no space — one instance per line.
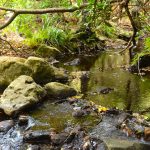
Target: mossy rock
(60,75)
(20,94)
(43,72)
(58,90)
(11,68)
(47,51)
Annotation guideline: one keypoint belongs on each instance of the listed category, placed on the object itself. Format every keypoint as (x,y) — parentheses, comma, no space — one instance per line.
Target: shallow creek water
(131,92)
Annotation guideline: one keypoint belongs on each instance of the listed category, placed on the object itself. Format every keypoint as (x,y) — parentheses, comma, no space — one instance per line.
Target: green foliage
(146,51)
(147,44)
(39,28)
(107,30)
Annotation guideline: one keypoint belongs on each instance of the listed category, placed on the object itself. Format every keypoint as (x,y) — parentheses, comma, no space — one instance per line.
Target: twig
(128,46)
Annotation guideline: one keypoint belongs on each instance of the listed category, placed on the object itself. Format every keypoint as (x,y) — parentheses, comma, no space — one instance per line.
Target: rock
(78,80)
(119,144)
(21,93)
(74,62)
(31,147)
(60,138)
(60,75)
(105,90)
(43,72)
(38,68)
(87,143)
(122,118)
(11,68)
(78,113)
(59,90)
(37,137)
(23,120)
(47,51)
(147,133)
(6,125)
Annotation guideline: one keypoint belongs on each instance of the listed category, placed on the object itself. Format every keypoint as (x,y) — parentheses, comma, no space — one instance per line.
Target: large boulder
(38,68)
(59,90)
(43,72)
(11,68)
(21,93)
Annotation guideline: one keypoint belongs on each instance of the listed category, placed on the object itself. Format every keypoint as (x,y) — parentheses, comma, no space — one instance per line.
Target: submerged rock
(59,90)
(21,93)
(11,68)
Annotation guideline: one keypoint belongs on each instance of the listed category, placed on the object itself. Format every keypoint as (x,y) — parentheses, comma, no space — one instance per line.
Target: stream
(108,83)
(108,70)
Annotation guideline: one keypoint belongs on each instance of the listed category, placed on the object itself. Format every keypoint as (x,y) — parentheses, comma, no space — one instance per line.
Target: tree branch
(10,20)
(17,12)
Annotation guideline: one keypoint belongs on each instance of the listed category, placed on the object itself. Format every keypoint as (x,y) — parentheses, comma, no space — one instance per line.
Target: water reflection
(130,92)
(106,70)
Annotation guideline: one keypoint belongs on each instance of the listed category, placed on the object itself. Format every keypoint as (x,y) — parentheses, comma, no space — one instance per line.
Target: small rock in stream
(105,90)
(6,125)
(37,137)
(60,138)
(23,120)
(147,133)
(74,62)
(78,113)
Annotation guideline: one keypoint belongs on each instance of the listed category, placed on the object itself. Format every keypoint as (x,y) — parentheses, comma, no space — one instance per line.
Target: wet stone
(74,62)
(105,90)
(37,137)
(122,118)
(78,113)
(6,125)
(58,139)
(120,144)
(34,147)
(147,133)
(23,120)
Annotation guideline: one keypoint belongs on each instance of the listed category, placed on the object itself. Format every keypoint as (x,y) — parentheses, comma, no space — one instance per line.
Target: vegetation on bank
(81,25)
